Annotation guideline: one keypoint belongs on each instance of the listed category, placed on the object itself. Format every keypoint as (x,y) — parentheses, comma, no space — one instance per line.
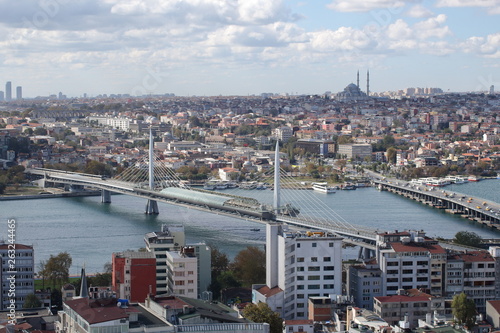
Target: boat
(255,229)
(347,187)
(473,178)
(208,186)
(221,186)
(323,187)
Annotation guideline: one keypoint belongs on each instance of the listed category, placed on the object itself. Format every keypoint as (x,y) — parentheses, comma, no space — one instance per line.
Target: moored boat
(323,187)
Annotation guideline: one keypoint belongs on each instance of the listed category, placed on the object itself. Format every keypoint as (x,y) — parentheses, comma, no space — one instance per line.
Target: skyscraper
(8,91)
(19,92)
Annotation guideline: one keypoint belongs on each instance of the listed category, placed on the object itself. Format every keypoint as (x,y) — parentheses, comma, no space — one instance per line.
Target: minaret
(358,79)
(367,83)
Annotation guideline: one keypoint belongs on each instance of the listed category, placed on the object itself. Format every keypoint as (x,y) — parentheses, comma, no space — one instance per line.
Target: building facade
(16,274)
(182,272)
(299,266)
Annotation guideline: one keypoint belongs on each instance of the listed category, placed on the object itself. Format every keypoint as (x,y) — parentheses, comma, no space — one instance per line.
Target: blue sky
(242,47)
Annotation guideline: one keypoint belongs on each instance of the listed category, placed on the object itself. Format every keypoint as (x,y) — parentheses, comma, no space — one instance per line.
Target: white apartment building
(170,238)
(355,150)
(17,267)
(283,133)
(299,266)
(410,260)
(182,272)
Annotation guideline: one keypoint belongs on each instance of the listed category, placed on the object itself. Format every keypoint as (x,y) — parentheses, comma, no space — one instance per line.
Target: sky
(247,47)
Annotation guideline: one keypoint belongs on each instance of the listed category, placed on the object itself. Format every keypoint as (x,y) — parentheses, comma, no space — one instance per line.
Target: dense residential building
(321,147)
(409,306)
(410,260)
(182,272)
(299,266)
(17,270)
(364,282)
(134,275)
(355,150)
(170,238)
(283,133)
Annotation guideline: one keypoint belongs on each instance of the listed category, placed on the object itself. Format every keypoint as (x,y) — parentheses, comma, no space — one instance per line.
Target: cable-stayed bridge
(157,182)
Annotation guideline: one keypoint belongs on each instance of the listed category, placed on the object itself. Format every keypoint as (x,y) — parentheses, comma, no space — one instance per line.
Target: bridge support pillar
(152,207)
(105,196)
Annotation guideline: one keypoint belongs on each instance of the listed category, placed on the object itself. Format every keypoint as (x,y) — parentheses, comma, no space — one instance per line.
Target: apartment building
(17,268)
(299,266)
(134,275)
(182,272)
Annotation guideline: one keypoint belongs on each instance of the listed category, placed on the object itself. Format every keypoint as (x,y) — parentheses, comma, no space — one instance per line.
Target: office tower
(2,96)
(8,91)
(492,89)
(19,92)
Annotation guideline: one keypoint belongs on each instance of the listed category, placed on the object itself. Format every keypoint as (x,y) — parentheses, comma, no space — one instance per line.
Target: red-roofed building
(410,260)
(413,306)
(103,315)
(493,313)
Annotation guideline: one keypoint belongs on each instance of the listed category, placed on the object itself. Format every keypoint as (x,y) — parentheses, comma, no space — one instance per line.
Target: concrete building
(19,93)
(182,273)
(299,266)
(134,275)
(363,283)
(8,91)
(319,147)
(355,150)
(17,268)
(170,238)
(283,133)
(410,260)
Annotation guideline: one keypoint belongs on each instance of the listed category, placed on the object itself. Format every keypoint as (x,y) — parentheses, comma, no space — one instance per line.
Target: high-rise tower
(367,83)
(358,80)
(8,91)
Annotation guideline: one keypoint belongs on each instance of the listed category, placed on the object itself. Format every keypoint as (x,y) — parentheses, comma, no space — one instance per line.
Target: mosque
(353,93)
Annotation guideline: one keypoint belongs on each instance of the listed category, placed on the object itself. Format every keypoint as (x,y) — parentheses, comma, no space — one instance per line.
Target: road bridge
(482,211)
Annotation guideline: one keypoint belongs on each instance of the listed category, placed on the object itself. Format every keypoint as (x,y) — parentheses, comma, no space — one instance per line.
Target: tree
(468,238)
(249,266)
(56,269)
(391,155)
(262,313)
(464,310)
(31,301)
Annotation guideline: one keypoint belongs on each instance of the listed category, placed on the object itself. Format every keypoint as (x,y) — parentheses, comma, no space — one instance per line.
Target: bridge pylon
(152,205)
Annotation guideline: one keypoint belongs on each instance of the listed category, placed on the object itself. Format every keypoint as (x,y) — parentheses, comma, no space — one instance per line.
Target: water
(90,231)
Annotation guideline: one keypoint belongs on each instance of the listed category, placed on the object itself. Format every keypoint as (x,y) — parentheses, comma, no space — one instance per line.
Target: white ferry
(323,187)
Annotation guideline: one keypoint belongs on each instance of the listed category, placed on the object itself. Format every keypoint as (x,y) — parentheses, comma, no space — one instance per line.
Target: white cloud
(488,46)
(492,6)
(366,5)
(433,27)
(419,11)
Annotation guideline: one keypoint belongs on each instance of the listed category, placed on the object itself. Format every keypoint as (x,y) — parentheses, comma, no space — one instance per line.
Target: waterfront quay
(485,212)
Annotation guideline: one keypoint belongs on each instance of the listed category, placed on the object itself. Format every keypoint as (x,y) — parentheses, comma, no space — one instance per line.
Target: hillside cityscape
(299,282)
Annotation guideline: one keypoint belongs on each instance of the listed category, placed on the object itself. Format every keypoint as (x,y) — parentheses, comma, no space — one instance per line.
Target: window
(330,244)
(392,271)
(313,268)
(407,271)
(328,286)
(329,277)
(314,259)
(393,263)
(313,286)
(300,287)
(300,278)
(329,268)
(313,277)
(300,305)
(327,259)
(480,265)
(407,279)
(407,263)
(300,259)
(300,296)
(314,244)
(300,269)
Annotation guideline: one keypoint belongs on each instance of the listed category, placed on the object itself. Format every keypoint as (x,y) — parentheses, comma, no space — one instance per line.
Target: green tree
(468,238)
(262,313)
(391,155)
(464,310)
(249,266)
(31,301)
(56,269)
